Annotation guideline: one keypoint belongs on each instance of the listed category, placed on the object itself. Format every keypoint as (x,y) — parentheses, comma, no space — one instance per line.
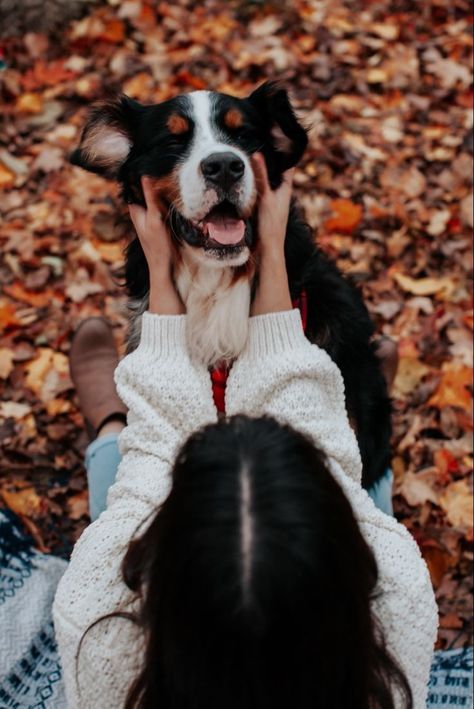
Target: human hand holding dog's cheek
(273,293)
(273,208)
(158,250)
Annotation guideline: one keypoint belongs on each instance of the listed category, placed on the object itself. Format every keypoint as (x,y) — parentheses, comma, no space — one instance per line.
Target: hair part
(256,582)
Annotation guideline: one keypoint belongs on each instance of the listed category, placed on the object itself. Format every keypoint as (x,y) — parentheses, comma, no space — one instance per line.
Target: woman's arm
(168,398)
(281,374)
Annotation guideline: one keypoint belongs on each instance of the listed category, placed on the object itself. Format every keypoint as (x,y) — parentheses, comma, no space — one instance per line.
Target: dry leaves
(387,181)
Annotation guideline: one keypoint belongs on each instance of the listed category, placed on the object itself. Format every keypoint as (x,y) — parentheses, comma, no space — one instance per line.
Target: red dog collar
(219,374)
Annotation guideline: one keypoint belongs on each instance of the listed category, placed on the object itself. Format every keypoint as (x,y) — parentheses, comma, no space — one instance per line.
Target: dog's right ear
(107,136)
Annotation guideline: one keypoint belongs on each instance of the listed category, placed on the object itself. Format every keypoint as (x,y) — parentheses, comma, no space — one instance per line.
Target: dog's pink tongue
(226,231)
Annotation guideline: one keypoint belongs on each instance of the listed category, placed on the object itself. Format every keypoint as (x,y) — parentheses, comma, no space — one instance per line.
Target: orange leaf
(8,315)
(347,216)
(7,178)
(452,388)
(184,77)
(37,300)
(113,32)
(446,463)
(23,502)
(30,103)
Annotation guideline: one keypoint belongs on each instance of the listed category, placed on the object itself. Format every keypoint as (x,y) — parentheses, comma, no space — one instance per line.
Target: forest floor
(386,184)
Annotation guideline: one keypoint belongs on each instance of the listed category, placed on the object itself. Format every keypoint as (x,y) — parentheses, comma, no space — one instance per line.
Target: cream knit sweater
(280,373)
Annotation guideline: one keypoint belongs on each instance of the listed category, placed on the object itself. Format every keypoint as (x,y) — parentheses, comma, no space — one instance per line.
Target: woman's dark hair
(256,583)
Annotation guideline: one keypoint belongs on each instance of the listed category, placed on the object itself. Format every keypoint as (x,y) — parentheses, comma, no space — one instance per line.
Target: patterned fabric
(451,681)
(30,673)
(34,681)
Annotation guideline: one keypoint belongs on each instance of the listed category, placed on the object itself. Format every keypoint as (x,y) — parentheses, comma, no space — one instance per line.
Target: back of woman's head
(257,582)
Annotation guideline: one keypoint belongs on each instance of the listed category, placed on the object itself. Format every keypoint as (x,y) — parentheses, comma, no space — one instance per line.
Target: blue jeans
(103,458)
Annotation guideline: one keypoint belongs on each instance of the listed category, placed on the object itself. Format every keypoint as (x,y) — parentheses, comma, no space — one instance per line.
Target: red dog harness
(219,374)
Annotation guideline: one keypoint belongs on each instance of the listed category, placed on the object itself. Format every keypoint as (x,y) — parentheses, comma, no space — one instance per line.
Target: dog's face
(198,148)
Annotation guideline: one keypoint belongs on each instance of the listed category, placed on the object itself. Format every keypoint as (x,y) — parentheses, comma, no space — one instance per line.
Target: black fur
(337,318)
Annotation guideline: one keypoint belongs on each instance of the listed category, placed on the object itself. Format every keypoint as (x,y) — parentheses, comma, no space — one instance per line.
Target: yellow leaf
(6,362)
(425,286)
(48,374)
(410,372)
(23,502)
(57,406)
(30,103)
(452,388)
(457,502)
(110,252)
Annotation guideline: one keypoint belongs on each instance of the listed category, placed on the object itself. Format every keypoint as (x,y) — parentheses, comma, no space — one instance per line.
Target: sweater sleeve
(281,374)
(168,398)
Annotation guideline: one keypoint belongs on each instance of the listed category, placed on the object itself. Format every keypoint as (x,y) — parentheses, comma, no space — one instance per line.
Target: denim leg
(102,461)
(381,493)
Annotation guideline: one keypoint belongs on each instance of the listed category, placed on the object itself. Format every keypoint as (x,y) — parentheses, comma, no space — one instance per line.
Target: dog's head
(198,147)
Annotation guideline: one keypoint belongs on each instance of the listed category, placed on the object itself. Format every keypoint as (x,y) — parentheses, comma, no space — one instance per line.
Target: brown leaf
(78,505)
(418,488)
(457,502)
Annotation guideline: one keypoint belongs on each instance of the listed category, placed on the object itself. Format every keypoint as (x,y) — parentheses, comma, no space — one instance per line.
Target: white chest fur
(217,304)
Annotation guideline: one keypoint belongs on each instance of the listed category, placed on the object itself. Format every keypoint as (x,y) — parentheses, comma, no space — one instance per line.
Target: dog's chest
(217,305)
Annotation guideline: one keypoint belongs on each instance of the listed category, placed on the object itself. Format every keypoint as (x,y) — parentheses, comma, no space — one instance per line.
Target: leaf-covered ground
(386,183)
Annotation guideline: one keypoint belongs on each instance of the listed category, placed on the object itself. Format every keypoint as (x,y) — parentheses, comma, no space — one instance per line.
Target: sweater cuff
(163,335)
(274,333)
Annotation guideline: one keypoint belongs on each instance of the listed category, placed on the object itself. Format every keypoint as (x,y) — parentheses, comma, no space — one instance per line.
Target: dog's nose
(222,169)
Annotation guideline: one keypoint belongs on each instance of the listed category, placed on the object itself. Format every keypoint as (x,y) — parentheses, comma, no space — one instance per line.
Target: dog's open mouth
(224,233)
(222,227)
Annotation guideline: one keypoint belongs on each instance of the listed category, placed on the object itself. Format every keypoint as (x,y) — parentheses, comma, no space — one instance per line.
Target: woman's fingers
(148,192)
(138,216)
(261,173)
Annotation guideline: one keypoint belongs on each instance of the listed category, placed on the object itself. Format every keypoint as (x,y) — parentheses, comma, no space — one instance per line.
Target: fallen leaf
(48,374)
(453,388)
(23,502)
(457,502)
(38,300)
(14,409)
(425,286)
(30,103)
(7,178)
(410,372)
(6,362)
(347,216)
(410,180)
(418,488)
(78,505)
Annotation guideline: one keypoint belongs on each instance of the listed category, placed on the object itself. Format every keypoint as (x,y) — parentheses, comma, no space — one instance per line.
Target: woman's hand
(273,293)
(158,250)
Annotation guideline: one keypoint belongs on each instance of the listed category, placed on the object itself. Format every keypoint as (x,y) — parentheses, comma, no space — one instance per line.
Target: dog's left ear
(107,136)
(289,138)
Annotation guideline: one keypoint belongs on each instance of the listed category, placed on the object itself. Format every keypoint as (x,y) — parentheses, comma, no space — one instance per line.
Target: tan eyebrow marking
(177,124)
(233,118)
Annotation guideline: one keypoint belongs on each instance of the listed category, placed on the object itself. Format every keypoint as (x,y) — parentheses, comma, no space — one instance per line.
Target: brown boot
(92,360)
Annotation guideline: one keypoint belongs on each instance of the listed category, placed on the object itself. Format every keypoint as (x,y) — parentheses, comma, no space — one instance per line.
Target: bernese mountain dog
(198,148)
